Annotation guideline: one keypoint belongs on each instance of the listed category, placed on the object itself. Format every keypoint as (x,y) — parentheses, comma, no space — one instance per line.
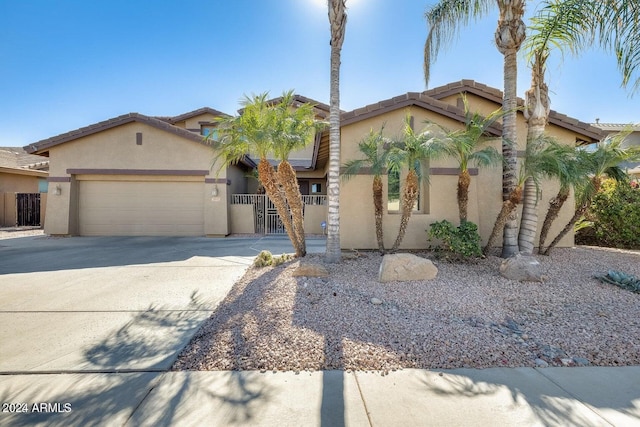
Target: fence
(265,216)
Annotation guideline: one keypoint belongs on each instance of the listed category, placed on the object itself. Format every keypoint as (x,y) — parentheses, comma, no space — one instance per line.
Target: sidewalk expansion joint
(362,398)
(540,371)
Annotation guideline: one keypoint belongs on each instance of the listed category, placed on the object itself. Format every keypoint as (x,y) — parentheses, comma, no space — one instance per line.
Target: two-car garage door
(140,208)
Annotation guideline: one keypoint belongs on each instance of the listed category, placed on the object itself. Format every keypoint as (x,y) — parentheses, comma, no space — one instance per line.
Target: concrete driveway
(113,304)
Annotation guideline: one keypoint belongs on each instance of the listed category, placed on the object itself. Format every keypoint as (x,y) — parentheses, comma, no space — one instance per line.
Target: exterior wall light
(58,190)
(214,192)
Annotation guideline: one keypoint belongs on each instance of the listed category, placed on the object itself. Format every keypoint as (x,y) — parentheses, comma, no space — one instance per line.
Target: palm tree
(266,128)
(444,20)
(408,154)
(603,162)
(375,148)
(569,177)
(464,146)
(544,157)
(338,23)
(569,25)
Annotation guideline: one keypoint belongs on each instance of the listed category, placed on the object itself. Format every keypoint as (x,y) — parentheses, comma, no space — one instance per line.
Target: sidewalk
(589,396)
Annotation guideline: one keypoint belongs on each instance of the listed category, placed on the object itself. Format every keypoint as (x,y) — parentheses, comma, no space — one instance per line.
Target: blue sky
(71,63)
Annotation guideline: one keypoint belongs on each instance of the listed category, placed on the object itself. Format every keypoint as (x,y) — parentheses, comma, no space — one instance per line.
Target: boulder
(522,268)
(405,267)
(310,270)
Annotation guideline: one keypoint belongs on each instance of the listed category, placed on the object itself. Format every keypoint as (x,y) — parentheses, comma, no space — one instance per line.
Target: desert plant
(266,259)
(618,278)
(458,243)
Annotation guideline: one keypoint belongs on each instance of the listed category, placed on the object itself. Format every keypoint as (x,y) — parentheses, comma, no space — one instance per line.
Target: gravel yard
(469,316)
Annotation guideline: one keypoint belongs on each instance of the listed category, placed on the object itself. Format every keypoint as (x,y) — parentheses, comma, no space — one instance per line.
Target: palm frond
(444,21)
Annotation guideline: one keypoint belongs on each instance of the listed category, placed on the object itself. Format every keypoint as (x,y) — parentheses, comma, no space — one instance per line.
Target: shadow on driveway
(35,254)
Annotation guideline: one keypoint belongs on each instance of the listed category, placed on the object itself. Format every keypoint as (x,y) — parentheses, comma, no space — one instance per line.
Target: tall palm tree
(444,20)
(603,162)
(465,147)
(338,23)
(266,128)
(375,149)
(543,158)
(409,153)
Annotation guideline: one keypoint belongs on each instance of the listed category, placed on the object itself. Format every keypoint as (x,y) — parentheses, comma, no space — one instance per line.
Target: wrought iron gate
(28,209)
(267,220)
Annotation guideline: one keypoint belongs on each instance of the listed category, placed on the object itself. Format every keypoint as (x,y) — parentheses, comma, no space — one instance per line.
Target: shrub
(263,259)
(266,259)
(457,243)
(615,217)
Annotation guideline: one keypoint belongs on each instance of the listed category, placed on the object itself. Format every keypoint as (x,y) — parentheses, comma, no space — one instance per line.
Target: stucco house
(142,175)
(23,179)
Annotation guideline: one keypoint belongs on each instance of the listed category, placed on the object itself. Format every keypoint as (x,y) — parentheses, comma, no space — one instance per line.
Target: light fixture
(58,190)
(214,192)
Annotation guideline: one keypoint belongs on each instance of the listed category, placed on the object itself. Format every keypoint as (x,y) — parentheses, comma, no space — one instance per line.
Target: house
(633,139)
(442,105)
(143,175)
(23,187)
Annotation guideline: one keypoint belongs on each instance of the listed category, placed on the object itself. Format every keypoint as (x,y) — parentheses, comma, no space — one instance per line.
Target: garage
(141,207)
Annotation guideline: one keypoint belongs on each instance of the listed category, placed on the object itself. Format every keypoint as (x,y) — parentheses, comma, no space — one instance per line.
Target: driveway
(114,304)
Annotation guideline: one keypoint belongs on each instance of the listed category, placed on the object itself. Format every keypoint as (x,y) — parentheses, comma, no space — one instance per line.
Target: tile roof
(44,145)
(617,127)
(190,114)
(18,158)
(495,95)
(411,98)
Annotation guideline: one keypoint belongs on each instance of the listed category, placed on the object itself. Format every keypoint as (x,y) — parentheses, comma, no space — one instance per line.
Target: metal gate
(28,209)
(267,220)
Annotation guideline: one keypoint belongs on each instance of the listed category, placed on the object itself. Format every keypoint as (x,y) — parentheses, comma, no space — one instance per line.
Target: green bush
(266,259)
(615,217)
(457,243)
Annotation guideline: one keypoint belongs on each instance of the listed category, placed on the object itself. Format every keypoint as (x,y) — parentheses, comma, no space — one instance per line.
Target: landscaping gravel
(469,316)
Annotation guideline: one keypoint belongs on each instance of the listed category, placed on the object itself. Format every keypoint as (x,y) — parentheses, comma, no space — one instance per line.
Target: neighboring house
(633,139)
(141,175)
(23,179)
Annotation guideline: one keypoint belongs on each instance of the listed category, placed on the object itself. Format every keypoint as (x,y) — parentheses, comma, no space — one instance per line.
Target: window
(208,130)
(394,189)
(316,188)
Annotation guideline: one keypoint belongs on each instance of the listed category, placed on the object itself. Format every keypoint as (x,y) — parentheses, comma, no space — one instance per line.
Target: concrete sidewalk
(589,396)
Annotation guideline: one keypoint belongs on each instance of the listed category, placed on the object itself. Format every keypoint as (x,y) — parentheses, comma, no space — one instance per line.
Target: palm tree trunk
(377,205)
(552,213)
(576,216)
(464,179)
(287,177)
(508,207)
(509,36)
(269,180)
(529,221)
(338,22)
(409,197)
(596,183)
(536,112)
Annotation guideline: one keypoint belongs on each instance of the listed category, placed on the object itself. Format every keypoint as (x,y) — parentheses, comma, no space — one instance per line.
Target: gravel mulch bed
(469,316)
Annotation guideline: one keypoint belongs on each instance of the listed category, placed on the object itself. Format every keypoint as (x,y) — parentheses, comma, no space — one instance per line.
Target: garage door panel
(124,208)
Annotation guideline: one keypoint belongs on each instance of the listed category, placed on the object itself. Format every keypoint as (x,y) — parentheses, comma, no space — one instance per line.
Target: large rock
(522,268)
(310,270)
(405,267)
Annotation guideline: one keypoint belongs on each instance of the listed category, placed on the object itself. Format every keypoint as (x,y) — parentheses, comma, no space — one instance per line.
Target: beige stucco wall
(116,148)
(357,226)
(242,219)
(18,183)
(314,215)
